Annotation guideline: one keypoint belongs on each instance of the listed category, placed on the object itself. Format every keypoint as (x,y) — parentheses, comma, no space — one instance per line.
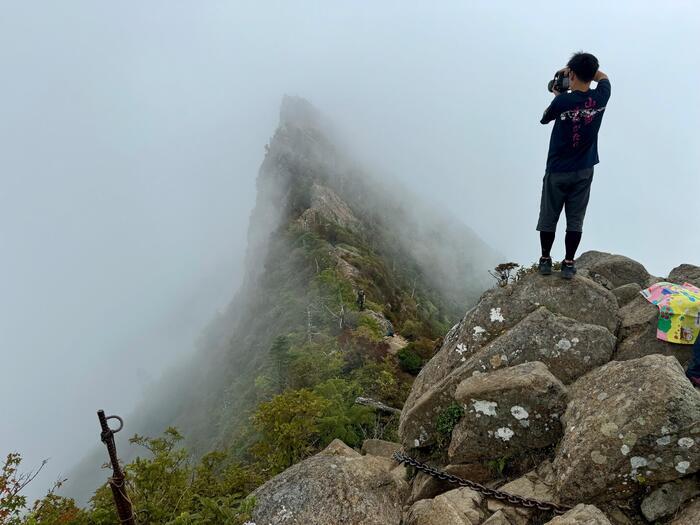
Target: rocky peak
(552,390)
(321,230)
(298,112)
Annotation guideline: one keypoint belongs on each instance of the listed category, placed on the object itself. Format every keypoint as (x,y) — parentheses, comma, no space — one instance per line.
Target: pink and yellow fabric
(679,311)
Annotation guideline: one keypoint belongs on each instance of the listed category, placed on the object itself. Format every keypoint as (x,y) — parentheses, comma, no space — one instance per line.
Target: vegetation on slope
(321,353)
(279,371)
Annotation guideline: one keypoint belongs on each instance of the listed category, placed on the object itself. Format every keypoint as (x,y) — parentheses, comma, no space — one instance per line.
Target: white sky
(131,133)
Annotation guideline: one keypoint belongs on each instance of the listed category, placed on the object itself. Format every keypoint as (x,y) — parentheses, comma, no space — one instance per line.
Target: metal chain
(511,499)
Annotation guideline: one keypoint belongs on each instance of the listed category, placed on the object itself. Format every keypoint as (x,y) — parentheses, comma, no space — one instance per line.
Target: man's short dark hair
(584,65)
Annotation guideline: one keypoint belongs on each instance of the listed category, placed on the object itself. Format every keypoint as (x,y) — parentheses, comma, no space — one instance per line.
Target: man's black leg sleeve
(572,241)
(547,241)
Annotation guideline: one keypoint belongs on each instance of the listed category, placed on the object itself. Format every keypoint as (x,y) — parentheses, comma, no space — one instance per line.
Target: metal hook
(121,423)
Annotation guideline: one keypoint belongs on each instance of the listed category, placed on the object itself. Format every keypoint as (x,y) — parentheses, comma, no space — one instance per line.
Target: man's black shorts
(569,190)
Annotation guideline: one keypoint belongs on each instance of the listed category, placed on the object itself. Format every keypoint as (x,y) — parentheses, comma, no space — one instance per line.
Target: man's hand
(599,75)
(562,72)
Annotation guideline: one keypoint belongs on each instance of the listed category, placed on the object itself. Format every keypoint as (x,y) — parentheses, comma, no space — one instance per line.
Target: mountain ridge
(320,187)
(321,229)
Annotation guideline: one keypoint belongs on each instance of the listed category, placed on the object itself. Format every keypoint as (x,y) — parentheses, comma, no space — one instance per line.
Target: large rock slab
(690,515)
(581,515)
(327,206)
(628,425)
(352,319)
(536,484)
(456,507)
(590,258)
(626,293)
(338,448)
(380,447)
(637,336)
(498,518)
(669,497)
(507,412)
(613,270)
(427,487)
(335,486)
(500,309)
(685,273)
(569,348)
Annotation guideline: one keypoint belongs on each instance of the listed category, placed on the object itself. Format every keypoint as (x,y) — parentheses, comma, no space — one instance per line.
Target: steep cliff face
(321,230)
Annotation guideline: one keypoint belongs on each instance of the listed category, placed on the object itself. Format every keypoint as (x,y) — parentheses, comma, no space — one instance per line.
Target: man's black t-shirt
(577,117)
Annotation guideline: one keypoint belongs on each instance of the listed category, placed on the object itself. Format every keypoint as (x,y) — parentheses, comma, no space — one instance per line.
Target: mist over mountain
(131,136)
(322,229)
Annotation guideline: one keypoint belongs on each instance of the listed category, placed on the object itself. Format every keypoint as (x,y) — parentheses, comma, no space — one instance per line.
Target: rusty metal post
(116,482)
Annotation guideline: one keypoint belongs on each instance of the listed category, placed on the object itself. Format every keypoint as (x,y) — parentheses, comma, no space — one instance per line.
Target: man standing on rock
(573,151)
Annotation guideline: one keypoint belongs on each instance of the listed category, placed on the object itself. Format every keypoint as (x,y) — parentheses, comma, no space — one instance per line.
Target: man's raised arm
(602,89)
(551,112)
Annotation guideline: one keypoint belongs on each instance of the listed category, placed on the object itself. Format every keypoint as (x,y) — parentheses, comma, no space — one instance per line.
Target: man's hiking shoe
(568,270)
(695,381)
(545,266)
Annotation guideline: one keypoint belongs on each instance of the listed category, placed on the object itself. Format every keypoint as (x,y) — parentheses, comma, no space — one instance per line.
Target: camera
(560,82)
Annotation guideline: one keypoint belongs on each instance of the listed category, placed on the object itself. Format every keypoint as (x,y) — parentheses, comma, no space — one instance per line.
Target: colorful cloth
(679,311)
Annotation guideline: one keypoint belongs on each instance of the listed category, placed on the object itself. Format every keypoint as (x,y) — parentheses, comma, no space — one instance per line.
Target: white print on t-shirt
(576,114)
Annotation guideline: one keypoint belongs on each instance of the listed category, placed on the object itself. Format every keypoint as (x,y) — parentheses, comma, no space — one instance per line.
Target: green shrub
(369,327)
(411,330)
(289,429)
(498,466)
(409,361)
(165,489)
(342,419)
(335,288)
(381,381)
(314,362)
(298,423)
(53,510)
(423,347)
(446,422)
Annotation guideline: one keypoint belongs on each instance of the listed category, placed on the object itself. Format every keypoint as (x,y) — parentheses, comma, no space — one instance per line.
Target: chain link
(511,499)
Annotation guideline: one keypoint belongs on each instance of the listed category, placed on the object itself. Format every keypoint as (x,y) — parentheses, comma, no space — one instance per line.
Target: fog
(131,134)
